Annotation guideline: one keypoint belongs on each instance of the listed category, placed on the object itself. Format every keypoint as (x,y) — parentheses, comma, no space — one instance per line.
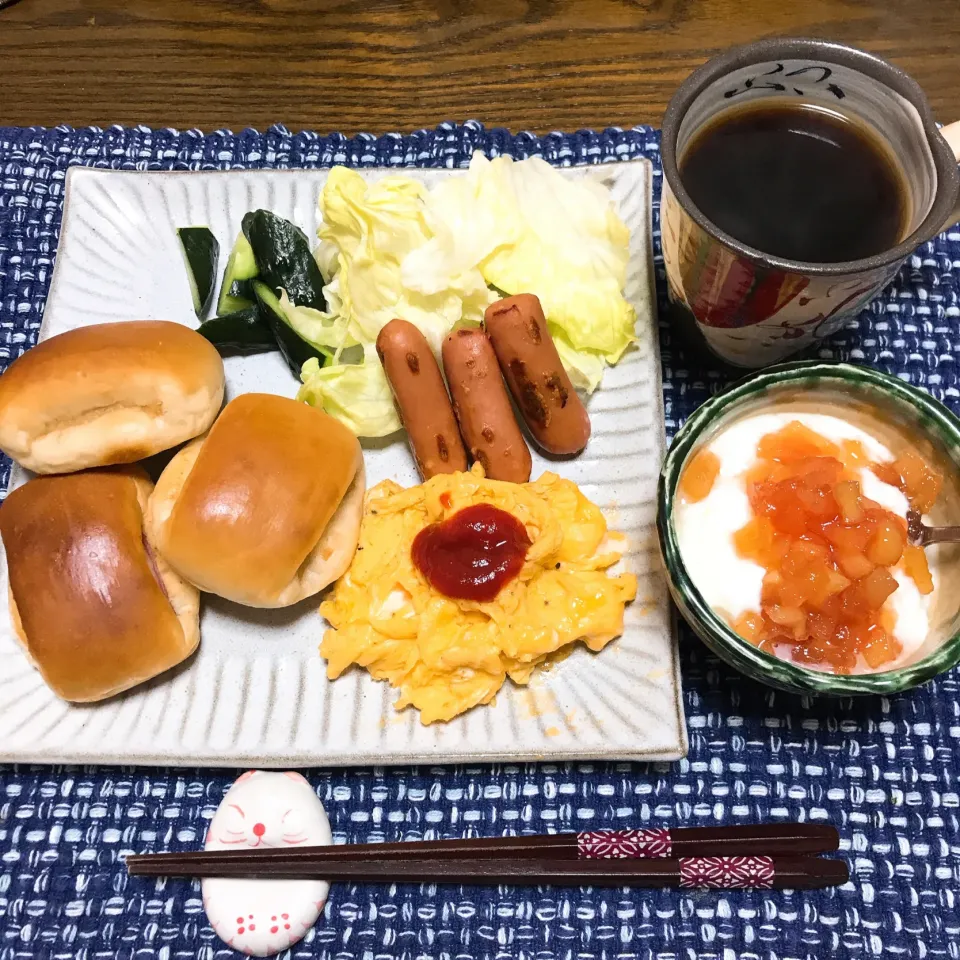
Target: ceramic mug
(751,308)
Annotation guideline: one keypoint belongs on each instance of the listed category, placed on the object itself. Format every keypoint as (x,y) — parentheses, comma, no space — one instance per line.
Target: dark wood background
(382,65)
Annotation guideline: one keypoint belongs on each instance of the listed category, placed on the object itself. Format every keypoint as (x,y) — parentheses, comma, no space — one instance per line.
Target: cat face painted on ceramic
(263,917)
(250,815)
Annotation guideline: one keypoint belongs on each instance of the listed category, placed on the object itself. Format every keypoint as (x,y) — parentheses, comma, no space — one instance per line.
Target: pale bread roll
(108,393)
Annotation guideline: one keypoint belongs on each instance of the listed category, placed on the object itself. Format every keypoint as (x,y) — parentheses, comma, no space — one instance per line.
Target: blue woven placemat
(884,770)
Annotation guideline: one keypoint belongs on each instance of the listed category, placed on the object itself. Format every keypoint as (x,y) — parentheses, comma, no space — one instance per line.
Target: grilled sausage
(422,401)
(482,406)
(531,366)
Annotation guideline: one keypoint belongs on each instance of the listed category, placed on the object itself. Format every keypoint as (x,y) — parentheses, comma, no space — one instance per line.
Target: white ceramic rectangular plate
(256,693)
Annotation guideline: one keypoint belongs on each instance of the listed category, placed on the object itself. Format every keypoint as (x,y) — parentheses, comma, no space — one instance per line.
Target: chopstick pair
(756,857)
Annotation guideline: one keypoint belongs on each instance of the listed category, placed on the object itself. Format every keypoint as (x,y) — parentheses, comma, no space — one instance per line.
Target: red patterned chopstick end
(727,873)
(624,844)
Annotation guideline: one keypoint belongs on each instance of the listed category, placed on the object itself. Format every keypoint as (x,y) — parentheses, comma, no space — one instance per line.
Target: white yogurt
(730,584)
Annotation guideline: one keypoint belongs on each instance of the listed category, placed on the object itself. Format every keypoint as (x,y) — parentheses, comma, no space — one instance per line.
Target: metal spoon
(921,535)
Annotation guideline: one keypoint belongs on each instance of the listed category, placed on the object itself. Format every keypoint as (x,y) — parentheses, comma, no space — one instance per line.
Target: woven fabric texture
(883,770)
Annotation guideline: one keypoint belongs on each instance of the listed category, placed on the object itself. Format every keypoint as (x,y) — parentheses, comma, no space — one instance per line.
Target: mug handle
(951,133)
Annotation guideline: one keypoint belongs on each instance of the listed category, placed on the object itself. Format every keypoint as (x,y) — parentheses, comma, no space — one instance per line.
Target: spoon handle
(939,535)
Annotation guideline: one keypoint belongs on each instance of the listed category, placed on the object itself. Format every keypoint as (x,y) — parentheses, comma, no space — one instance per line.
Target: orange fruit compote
(699,476)
(828,551)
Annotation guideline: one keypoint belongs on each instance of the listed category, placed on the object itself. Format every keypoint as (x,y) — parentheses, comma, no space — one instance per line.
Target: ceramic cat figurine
(263,917)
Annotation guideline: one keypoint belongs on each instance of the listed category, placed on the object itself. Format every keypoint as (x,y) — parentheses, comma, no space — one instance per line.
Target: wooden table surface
(383,65)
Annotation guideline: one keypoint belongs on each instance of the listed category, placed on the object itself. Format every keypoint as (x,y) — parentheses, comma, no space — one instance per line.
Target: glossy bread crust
(244,511)
(96,611)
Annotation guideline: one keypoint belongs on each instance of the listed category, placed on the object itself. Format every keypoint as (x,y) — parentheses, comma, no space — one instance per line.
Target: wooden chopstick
(719,873)
(772,840)
(765,855)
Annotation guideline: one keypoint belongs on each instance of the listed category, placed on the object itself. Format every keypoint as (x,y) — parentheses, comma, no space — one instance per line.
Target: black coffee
(797,182)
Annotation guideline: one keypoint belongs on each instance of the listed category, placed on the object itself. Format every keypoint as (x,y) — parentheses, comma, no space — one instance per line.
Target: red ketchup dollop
(473,554)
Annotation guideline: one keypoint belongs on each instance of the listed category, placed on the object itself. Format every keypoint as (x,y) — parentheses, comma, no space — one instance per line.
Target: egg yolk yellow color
(446,655)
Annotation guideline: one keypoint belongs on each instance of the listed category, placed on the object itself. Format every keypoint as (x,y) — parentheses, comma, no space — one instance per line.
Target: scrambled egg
(445,655)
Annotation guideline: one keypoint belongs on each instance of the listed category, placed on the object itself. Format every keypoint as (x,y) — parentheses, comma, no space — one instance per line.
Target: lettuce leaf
(533,230)
(368,231)
(585,367)
(325,331)
(357,394)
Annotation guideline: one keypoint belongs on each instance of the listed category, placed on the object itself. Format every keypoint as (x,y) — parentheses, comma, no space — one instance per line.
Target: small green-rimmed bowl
(903,410)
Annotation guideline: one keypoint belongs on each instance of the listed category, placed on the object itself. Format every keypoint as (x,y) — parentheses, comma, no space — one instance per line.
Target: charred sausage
(483,408)
(422,401)
(531,366)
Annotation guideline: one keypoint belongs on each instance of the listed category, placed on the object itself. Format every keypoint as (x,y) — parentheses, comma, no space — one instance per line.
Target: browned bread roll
(108,393)
(94,607)
(265,509)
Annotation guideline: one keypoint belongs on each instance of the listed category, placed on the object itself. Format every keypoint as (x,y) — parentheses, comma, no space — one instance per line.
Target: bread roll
(94,607)
(265,510)
(108,393)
